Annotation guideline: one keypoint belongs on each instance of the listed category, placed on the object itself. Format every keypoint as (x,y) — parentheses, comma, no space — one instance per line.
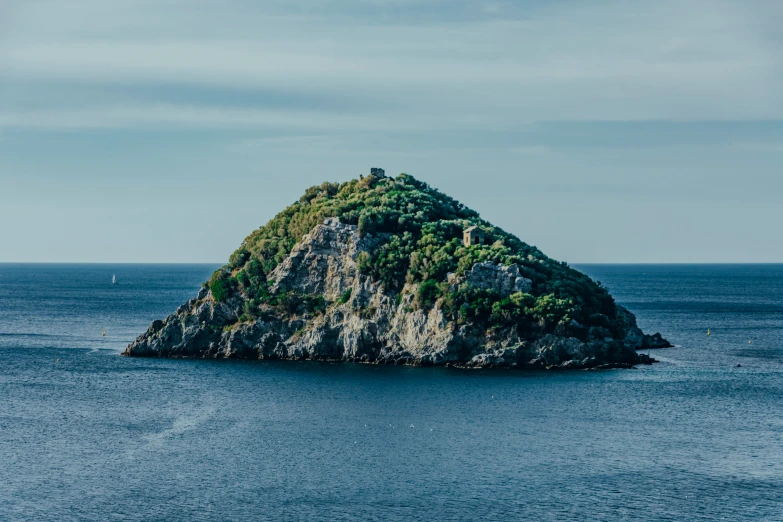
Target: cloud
(532,150)
(428,65)
(185,117)
(758,146)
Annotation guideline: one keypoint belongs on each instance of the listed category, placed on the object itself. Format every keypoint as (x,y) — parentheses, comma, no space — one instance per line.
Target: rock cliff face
(362,322)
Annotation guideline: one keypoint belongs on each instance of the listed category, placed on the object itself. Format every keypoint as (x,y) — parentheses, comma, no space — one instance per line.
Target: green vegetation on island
(423,231)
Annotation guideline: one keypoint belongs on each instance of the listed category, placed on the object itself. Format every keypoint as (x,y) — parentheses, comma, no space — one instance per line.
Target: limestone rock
(374,325)
(324,262)
(505,280)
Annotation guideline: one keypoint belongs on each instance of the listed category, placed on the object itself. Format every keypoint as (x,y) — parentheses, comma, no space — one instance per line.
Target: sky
(599,131)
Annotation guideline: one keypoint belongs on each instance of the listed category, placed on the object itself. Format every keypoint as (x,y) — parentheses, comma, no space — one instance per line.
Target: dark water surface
(88,435)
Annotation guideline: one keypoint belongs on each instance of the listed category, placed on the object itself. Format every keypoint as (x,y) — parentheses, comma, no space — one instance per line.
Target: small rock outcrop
(505,280)
(361,321)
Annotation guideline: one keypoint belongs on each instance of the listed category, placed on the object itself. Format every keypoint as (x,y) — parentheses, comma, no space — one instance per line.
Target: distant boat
(103,333)
(708,332)
(114,279)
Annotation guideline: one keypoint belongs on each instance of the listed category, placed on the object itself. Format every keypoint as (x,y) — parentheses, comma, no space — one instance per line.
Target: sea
(86,434)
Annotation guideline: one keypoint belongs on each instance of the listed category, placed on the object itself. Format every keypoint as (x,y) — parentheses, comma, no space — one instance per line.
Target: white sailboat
(114,279)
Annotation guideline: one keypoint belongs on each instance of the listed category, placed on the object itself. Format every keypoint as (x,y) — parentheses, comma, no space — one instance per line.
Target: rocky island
(391,271)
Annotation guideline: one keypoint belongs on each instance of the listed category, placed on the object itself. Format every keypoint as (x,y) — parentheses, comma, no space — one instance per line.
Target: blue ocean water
(88,435)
